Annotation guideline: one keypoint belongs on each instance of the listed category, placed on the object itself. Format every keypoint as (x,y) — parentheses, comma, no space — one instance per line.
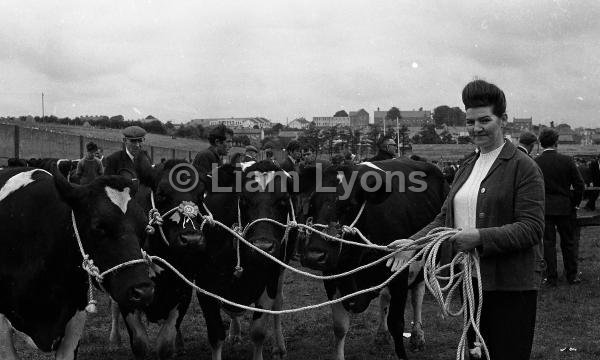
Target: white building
(329,121)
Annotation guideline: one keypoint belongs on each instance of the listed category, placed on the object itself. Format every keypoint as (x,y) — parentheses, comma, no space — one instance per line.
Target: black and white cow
(43,288)
(265,193)
(410,194)
(182,243)
(65,166)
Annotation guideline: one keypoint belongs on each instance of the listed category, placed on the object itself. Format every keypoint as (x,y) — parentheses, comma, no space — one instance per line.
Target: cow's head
(176,187)
(111,227)
(335,195)
(265,194)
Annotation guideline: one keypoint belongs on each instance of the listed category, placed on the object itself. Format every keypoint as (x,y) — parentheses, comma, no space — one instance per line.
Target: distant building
(522,123)
(299,124)
(359,118)
(249,122)
(412,118)
(329,121)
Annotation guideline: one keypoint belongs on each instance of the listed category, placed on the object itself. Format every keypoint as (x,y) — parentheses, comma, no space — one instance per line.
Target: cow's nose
(142,294)
(195,240)
(265,244)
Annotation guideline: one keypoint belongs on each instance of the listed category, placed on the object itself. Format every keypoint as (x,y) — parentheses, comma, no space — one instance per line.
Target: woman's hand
(466,240)
(400,258)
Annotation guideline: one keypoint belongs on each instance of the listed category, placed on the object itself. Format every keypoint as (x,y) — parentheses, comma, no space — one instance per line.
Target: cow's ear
(70,193)
(145,172)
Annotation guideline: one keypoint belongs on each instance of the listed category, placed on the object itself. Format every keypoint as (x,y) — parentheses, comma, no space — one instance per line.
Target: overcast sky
(180,60)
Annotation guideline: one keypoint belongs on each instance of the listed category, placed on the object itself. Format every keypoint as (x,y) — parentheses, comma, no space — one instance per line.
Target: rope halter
(188,210)
(94,272)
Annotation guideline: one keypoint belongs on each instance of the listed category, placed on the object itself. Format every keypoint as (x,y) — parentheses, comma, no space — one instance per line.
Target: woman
(497,200)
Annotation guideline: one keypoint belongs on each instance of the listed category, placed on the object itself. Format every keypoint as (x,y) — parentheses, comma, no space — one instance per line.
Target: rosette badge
(189,209)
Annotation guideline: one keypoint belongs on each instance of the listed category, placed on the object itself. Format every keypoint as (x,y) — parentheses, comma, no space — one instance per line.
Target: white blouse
(465,200)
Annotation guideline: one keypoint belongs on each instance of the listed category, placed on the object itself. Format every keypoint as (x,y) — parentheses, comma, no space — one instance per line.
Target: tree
(310,138)
(393,114)
(277,127)
(428,135)
(341,113)
(328,136)
(169,125)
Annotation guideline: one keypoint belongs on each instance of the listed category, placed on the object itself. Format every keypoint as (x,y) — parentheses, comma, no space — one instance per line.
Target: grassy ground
(115,135)
(567,317)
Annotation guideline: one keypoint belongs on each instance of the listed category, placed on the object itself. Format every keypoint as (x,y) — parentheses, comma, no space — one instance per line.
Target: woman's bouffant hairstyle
(480,93)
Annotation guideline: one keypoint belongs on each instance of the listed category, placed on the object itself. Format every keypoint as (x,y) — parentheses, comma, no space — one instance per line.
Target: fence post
(190,155)
(81,146)
(17,140)
(152,153)
(172,153)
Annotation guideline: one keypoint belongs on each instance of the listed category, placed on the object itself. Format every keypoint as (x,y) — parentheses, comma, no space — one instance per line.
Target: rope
(93,271)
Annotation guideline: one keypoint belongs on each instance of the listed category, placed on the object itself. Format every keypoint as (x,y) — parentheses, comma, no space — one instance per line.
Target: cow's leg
(279,349)
(341,324)
(115,314)
(214,325)
(165,341)
(7,347)
(382,336)
(398,291)
(138,336)
(417,337)
(234,333)
(73,331)
(258,328)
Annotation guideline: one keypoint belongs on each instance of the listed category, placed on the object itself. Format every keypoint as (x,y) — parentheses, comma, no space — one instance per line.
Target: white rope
(93,271)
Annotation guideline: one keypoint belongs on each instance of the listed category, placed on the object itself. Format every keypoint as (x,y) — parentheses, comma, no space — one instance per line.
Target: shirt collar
(129,154)
(548,149)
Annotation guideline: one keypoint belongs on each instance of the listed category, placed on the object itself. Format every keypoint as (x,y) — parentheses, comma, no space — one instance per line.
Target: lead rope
(93,271)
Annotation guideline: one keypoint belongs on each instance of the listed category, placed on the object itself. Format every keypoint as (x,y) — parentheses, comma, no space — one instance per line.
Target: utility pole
(398,136)
(43,114)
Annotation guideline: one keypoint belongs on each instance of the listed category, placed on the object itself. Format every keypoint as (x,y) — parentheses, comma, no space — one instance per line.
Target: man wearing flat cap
(251,153)
(526,142)
(121,162)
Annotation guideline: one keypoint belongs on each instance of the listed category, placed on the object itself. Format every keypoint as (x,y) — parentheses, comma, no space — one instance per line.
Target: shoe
(576,280)
(549,283)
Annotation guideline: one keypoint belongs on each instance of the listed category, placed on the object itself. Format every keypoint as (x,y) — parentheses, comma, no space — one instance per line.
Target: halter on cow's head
(110,227)
(175,198)
(266,193)
(335,197)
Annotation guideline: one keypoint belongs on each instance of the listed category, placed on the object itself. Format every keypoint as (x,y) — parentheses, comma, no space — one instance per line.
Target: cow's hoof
(382,338)
(417,340)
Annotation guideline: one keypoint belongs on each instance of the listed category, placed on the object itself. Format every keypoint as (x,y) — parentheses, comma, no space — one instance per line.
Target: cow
(410,195)
(265,193)
(43,287)
(65,166)
(181,245)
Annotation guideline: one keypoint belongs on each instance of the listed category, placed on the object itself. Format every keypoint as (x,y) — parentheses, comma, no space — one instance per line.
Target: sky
(281,60)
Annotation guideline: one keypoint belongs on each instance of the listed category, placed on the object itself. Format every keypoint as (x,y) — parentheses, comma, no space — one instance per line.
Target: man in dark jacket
(386,150)
(560,173)
(121,162)
(220,139)
(526,142)
(294,154)
(594,172)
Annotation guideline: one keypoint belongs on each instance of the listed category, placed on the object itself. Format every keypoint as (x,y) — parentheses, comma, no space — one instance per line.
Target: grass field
(568,316)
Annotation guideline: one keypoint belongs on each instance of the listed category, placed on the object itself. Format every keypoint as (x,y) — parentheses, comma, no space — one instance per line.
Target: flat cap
(527,138)
(134,132)
(251,148)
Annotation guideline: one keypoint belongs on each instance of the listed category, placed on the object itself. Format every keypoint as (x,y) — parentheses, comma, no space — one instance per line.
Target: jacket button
(483,190)
(481,215)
